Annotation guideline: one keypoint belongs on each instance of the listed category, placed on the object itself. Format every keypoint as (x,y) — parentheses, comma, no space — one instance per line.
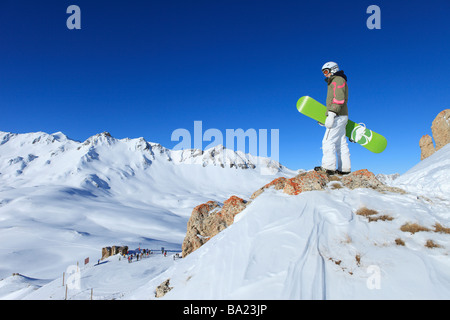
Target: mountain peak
(100,138)
(59,136)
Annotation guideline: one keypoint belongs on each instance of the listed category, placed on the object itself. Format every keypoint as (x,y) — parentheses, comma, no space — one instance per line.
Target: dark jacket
(337,95)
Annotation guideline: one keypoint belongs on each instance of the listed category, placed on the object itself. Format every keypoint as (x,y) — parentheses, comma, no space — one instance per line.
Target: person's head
(330,68)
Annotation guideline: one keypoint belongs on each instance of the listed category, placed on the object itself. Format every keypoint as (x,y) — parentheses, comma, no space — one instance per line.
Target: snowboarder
(334,140)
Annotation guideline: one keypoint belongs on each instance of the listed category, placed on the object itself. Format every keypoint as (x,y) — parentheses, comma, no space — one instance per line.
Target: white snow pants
(335,142)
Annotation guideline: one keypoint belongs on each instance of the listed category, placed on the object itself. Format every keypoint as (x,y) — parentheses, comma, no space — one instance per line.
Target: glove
(330,120)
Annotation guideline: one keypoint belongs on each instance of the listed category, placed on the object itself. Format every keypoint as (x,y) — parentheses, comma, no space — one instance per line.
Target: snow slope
(309,246)
(314,246)
(62,200)
(430,176)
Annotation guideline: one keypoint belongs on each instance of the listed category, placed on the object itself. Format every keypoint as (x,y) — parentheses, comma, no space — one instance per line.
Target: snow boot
(322,170)
(342,173)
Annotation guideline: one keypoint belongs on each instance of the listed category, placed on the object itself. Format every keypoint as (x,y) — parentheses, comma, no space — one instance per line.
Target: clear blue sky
(146,68)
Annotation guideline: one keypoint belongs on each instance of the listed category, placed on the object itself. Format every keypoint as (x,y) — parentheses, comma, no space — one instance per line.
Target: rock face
(426,146)
(366,179)
(111,251)
(361,179)
(440,129)
(208,219)
(307,181)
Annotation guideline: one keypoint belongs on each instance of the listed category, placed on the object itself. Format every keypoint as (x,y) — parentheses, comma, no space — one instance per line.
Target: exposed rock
(119,250)
(106,252)
(111,251)
(195,235)
(208,219)
(361,179)
(426,146)
(231,208)
(306,181)
(278,184)
(366,179)
(162,289)
(440,129)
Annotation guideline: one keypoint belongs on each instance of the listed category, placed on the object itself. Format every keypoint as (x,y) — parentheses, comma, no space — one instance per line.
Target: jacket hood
(340,73)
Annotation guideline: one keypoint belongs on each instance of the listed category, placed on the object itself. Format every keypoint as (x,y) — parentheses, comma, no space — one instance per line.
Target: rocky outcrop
(426,146)
(366,179)
(277,184)
(111,251)
(208,219)
(162,289)
(440,129)
(306,181)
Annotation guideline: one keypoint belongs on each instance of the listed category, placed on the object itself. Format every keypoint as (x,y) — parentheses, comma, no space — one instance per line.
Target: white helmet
(331,66)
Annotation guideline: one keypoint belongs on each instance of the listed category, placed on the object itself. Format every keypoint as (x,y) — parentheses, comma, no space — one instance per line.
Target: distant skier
(334,140)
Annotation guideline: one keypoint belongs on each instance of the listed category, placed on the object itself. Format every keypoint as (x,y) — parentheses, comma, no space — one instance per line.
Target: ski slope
(62,200)
(310,246)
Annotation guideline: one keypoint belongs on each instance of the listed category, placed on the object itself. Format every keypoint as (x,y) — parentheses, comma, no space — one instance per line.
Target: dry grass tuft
(337,262)
(439,228)
(358,259)
(336,186)
(431,244)
(413,228)
(365,212)
(371,215)
(382,218)
(399,242)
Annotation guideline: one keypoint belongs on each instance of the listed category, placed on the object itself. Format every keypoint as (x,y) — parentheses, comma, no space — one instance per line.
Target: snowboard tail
(357,132)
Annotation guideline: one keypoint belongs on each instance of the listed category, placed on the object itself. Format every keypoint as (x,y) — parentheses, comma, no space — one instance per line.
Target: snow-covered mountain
(315,245)
(62,200)
(41,158)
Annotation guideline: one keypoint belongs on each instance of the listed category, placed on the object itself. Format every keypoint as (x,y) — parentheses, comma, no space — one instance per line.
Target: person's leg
(343,152)
(329,143)
(345,156)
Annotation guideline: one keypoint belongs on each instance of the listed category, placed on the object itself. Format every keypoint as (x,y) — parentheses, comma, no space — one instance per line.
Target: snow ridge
(56,155)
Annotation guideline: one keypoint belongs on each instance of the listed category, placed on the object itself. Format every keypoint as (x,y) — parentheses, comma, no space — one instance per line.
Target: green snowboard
(356,132)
